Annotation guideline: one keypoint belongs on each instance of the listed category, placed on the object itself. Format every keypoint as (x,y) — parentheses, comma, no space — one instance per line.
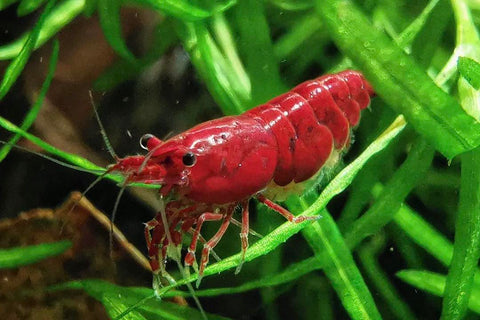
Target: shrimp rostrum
(208,171)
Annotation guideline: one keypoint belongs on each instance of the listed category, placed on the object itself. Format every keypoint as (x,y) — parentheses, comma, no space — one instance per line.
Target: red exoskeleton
(218,165)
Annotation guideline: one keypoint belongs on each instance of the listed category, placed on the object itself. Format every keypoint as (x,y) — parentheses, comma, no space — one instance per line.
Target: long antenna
(60,162)
(102,129)
(114,213)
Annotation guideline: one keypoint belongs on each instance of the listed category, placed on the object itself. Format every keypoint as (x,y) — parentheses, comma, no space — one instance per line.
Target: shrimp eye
(144,140)
(189,159)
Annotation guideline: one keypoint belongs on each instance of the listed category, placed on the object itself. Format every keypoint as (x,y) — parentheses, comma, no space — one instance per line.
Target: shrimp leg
(207,216)
(207,247)
(284,212)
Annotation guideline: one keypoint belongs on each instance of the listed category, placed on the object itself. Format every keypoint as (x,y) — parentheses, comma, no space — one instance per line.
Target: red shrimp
(218,165)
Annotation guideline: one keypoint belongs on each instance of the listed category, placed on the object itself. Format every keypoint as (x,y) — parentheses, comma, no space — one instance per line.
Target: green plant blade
(184,10)
(221,79)
(291,273)
(470,70)
(116,299)
(368,254)
(71,158)
(432,22)
(340,268)
(79,162)
(397,189)
(435,284)
(28,6)
(257,48)
(109,14)
(22,256)
(400,81)
(164,38)
(466,249)
(32,114)
(60,16)
(467,240)
(422,233)
(5,3)
(16,66)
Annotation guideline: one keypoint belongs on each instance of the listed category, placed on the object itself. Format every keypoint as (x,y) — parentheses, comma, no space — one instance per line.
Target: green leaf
(109,13)
(298,34)
(393,195)
(470,70)
(16,66)
(71,158)
(117,300)
(184,10)
(32,114)
(291,273)
(228,87)
(385,290)
(6,3)
(433,21)
(432,112)
(28,6)
(293,5)
(60,16)
(22,256)
(435,284)
(78,162)
(467,240)
(466,249)
(257,48)
(340,268)
(423,234)
(123,70)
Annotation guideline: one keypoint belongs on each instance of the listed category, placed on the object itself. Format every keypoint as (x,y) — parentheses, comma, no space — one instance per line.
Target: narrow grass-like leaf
(433,113)
(305,28)
(15,68)
(210,63)
(399,186)
(123,70)
(360,190)
(28,6)
(293,5)
(340,268)
(425,235)
(289,274)
(5,3)
(467,240)
(368,255)
(71,158)
(32,114)
(257,48)
(22,256)
(109,14)
(184,10)
(470,70)
(361,187)
(410,33)
(82,163)
(222,32)
(435,284)
(434,20)
(466,251)
(115,305)
(60,16)
(116,299)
